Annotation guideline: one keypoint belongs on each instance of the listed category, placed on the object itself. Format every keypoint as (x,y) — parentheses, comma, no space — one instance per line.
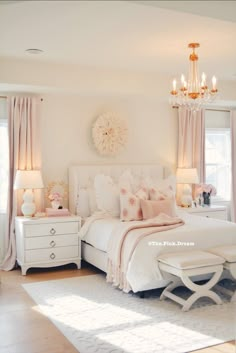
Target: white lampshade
(28,179)
(187,176)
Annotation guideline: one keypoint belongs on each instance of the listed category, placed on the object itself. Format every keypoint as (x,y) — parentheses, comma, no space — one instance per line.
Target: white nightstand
(47,241)
(219,212)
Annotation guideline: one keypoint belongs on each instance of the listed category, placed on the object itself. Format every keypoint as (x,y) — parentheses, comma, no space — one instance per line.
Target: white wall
(66,131)
(74,96)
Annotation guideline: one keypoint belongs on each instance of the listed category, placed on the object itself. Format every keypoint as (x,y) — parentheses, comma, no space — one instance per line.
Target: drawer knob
(52,243)
(52,256)
(52,231)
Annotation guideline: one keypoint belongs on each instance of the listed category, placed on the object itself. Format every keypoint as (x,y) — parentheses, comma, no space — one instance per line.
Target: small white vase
(55,204)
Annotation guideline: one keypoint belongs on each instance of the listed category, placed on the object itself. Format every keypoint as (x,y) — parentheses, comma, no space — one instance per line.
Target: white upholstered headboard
(81,175)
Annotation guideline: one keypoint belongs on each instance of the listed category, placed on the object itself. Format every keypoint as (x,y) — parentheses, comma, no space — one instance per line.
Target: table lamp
(28,180)
(186,176)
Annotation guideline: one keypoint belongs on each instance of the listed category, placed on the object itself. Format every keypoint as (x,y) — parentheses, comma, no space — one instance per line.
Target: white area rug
(96,317)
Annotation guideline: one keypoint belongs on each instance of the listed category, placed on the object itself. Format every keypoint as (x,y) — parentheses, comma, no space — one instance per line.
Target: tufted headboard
(82,175)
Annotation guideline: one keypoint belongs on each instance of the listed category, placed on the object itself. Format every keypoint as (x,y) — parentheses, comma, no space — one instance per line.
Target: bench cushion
(190,259)
(228,252)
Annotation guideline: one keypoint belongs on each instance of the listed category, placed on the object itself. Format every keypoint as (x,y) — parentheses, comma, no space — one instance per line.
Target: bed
(142,271)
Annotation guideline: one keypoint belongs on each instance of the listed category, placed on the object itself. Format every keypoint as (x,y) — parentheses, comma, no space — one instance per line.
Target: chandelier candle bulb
(203,84)
(183,83)
(214,84)
(174,88)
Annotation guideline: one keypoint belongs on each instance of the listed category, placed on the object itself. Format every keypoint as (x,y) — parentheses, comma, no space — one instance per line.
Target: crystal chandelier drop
(193,93)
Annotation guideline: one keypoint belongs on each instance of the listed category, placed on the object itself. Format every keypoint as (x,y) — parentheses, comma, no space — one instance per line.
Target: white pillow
(107,194)
(169,182)
(162,189)
(132,182)
(126,180)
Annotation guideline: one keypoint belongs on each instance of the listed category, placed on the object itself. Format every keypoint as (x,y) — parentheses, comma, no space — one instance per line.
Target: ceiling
(123,35)
(223,10)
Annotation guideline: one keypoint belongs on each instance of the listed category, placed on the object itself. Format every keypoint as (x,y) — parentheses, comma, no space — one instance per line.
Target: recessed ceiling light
(34,51)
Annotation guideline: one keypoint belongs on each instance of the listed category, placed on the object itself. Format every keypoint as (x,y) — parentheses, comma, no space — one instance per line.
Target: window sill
(219,200)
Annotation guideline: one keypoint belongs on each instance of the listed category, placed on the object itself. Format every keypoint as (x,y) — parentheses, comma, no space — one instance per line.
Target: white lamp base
(28,207)
(186,199)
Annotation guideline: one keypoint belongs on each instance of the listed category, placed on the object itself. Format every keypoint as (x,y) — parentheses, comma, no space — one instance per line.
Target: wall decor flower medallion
(110,134)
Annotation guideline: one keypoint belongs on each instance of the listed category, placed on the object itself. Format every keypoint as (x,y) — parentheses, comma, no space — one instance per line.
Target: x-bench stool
(182,266)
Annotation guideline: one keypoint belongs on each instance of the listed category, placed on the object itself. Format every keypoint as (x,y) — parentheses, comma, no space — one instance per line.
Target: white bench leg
(231,268)
(175,283)
(203,290)
(195,296)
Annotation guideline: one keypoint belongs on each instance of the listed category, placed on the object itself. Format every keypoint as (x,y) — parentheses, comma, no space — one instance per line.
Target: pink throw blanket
(130,234)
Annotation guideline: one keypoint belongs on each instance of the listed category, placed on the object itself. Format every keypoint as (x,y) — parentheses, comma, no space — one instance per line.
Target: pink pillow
(152,209)
(157,193)
(130,207)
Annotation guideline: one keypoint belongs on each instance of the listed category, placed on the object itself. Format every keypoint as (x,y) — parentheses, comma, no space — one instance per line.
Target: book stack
(53,212)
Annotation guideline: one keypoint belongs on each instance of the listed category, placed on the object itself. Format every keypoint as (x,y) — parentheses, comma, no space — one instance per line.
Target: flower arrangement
(56,193)
(55,196)
(207,189)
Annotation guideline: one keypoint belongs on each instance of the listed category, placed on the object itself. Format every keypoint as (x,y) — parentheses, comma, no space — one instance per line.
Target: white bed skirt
(98,259)
(94,256)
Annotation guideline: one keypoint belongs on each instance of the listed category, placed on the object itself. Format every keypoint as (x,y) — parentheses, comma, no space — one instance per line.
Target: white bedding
(99,232)
(143,272)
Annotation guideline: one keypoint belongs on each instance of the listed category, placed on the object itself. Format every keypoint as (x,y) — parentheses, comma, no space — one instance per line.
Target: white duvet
(143,272)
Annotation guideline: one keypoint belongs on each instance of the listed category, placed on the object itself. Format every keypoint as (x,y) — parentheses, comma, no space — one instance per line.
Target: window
(4,165)
(218,160)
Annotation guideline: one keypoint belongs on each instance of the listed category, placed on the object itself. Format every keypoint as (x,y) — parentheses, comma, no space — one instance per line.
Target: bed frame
(83,175)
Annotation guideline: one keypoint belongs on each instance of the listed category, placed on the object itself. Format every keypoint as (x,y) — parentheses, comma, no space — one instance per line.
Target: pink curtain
(233,153)
(191,142)
(24,153)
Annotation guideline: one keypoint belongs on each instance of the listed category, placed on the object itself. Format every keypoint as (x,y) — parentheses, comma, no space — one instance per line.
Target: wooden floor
(24,330)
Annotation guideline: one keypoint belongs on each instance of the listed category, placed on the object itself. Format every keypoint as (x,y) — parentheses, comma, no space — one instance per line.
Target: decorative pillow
(152,209)
(130,207)
(107,194)
(163,189)
(158,194)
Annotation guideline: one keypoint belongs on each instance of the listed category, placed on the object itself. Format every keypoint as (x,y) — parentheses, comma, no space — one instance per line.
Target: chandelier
(194,92)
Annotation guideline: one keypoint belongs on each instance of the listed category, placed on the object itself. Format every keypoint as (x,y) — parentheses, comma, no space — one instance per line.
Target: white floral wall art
(110,134)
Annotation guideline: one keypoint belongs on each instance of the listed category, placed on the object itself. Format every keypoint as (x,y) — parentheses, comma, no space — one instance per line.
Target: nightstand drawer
(37,230)
(51,255)
(51,242)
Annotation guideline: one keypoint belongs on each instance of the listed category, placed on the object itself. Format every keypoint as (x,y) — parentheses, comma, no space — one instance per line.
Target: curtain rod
(214,110)
(5,97)
(221,110)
